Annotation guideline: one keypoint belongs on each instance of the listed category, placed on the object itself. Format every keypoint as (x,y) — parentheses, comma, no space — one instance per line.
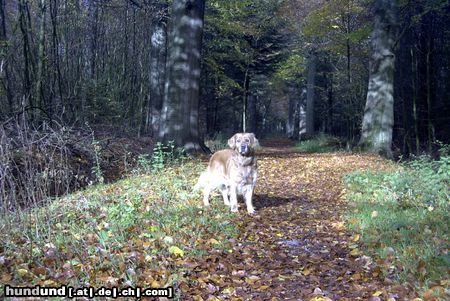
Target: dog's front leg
(206,192)
(248,199)
(233,198)
(225,194)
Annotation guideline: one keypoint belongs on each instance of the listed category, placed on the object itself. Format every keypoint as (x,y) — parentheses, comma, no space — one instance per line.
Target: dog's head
(243,143)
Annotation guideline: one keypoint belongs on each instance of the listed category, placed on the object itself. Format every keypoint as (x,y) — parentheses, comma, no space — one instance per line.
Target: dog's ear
(255,142)
(232,142)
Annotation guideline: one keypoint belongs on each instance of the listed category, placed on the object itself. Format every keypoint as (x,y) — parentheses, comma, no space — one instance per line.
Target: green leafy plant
(217,142)
(403,218)
(164,155)
(321,143)
(96,168)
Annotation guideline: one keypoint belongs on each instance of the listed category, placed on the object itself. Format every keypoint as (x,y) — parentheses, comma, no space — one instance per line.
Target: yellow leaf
(320,298)
(306,272)
(152,228)
(356,238)
(176,251)
(49,282)
(228,291)
(155,284)
(252,279)
(377,293)
(355,252)
(213,241)
(22,272)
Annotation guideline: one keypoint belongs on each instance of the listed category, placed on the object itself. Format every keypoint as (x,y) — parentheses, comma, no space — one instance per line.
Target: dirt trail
(297,246)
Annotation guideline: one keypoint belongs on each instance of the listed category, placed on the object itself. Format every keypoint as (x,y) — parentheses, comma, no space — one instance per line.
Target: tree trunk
(430,127)
(310,94)
(252,113)
(57,81)
(40,67)
(414,80)
(302,113)
(330,105)
(4,59)
(379,111)
(26,55)
(290,122)
(158,56)
(181,100)
(245,98)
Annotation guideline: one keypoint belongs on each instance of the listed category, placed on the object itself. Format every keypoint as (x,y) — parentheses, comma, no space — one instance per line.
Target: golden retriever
(233,171)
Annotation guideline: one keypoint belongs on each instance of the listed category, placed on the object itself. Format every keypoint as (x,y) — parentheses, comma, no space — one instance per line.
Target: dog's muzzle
(243,149)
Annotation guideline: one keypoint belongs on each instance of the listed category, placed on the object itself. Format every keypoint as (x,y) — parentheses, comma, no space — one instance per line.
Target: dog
(233,171)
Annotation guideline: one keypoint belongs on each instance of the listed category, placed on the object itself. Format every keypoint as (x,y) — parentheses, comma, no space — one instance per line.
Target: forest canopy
(276,66)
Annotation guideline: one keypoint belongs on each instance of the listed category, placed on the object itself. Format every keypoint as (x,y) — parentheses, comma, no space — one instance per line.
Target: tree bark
(252,113)
(291,116)
(245,97)
(5,75)
(414,80)
(41,48)
(329,122)
(181,100)
(379,111)
(158,56)
(310,86)
(26,55)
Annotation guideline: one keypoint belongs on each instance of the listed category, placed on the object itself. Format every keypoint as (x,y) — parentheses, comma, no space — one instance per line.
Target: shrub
(217,142)
(321,143)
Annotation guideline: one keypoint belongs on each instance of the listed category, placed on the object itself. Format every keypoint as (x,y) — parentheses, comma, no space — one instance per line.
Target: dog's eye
(239,140)
(247,140)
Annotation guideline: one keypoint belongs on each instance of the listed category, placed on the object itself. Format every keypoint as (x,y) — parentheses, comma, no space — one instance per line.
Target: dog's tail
(202,181)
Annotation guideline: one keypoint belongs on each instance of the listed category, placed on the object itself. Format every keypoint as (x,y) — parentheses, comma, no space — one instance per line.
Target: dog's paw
(251,211)
(234,209)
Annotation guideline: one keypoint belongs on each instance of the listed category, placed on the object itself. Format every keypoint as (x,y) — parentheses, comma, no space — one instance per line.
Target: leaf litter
(296,247)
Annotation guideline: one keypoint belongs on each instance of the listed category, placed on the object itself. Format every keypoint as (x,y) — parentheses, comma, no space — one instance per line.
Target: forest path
(296,247)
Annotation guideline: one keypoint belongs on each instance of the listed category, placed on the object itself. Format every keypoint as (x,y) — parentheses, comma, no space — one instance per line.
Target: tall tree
(179,118)
(310,87)
(157,72)
(4,72)
(41,56)
(378,118)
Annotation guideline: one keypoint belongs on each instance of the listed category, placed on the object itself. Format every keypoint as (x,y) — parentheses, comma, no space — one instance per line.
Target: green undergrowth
(217,142)
(141,230)
(322,143)
(403,219)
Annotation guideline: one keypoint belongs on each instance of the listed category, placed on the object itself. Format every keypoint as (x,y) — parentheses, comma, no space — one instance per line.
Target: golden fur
(233,171)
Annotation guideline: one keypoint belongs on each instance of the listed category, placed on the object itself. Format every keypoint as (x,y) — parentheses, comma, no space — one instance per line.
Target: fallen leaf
(176,251)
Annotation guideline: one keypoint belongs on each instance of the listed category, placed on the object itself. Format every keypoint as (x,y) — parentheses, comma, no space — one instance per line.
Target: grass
(403,219)
(322,143)
(138,231)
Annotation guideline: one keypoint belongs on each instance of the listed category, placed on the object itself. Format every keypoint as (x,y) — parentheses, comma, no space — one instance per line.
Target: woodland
(110,109)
